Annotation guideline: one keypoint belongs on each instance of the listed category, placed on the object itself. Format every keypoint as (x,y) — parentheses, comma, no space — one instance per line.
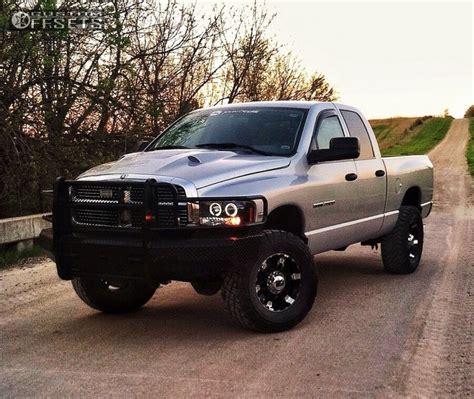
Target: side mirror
(339,148)
(142,145)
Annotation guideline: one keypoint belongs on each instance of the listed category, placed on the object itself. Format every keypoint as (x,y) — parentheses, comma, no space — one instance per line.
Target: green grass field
(390,131)
(410,136)
(470,147)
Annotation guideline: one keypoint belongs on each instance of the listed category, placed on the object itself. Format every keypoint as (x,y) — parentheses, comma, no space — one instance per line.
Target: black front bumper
(151,252)
(171,257)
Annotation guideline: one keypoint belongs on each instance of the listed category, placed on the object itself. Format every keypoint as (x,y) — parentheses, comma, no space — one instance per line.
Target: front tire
(402,248)
(113,297)
(206,288)
(274,291)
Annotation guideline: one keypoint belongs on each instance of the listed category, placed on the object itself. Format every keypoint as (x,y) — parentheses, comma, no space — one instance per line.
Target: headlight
(226,212)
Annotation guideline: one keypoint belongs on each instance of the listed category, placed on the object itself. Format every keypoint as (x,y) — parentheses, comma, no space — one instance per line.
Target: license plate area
(99,261)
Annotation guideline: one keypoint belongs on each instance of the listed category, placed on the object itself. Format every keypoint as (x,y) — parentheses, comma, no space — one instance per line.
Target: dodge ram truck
(239,198)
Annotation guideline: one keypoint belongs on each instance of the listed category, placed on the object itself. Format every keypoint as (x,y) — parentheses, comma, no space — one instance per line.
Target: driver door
(331,190)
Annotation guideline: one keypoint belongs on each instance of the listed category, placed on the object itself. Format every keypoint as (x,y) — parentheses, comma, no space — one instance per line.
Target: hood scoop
(194,159)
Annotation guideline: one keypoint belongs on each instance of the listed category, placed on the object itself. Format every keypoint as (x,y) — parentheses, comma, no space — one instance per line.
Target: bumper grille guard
(121,196)
(118,205)
(151,206)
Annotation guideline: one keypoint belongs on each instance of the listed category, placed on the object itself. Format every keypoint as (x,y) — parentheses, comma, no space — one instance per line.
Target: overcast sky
(387,58)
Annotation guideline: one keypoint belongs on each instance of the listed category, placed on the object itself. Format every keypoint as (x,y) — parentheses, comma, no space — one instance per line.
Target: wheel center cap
(276,282)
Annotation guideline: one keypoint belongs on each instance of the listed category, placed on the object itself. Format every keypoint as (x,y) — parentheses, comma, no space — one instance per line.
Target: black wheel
(275,290)
(207,288)
(402,248)
(113,296)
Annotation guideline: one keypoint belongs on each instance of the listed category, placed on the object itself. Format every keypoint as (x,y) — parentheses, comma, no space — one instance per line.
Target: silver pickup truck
(238,198)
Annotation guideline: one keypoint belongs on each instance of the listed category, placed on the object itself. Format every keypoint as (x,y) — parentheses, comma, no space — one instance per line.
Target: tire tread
(394,244)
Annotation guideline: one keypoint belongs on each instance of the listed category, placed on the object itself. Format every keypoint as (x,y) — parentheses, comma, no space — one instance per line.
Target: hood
(201,167)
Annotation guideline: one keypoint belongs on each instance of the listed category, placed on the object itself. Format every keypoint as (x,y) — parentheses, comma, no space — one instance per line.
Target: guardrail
(22,230)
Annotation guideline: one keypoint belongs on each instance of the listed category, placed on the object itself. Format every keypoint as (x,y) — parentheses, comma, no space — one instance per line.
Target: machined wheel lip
(278,282)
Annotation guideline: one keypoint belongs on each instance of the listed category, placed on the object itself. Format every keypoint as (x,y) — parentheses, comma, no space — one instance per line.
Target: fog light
(234,221)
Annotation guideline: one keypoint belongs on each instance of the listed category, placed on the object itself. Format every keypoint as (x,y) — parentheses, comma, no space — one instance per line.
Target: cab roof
(257,104)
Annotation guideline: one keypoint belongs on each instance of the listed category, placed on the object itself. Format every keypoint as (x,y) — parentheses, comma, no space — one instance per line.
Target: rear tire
(276,289)
(116,297)
(402,248)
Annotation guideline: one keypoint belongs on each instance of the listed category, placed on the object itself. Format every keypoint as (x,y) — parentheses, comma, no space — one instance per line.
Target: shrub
(469,112)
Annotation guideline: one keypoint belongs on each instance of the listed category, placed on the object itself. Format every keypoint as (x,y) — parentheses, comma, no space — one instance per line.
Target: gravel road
(369,334)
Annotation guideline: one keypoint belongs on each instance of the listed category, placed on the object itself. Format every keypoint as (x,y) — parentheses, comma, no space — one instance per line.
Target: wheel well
(288,218)
(412,197)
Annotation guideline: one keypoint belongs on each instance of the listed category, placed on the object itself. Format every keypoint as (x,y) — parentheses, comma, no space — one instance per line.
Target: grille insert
(108,218)
(107,194)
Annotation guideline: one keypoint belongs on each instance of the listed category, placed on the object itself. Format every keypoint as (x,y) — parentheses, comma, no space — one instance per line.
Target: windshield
(270,131)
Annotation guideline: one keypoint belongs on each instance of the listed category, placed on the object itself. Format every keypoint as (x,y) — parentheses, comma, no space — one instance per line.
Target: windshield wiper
(170,147)
(225,146)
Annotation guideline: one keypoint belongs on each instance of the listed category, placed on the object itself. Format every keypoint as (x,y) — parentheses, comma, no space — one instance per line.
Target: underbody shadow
(178,311)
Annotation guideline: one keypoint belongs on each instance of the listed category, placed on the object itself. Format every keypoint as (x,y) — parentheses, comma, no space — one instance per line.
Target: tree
(70,100)
(285,79)
(469,112)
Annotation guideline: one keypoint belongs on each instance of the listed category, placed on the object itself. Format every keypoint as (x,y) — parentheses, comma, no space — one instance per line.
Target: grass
(382,131)
(470,147)
(420,139)
(392,130)
(11,256)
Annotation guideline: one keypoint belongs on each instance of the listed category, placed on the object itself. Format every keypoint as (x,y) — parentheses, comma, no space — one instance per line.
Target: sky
(385,58)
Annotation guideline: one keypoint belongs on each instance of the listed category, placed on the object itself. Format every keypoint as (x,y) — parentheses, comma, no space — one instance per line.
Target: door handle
(351,177)
(379,173)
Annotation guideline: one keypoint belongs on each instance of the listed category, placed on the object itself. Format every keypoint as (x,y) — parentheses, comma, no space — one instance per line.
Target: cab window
(328,128)
(357,129)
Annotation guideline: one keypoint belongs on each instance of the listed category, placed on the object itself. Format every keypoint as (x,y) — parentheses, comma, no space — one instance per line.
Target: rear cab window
(357,128)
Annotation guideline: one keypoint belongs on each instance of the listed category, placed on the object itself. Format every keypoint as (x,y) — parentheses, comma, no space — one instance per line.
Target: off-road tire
(97,294)
(396,245)
(239,286)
